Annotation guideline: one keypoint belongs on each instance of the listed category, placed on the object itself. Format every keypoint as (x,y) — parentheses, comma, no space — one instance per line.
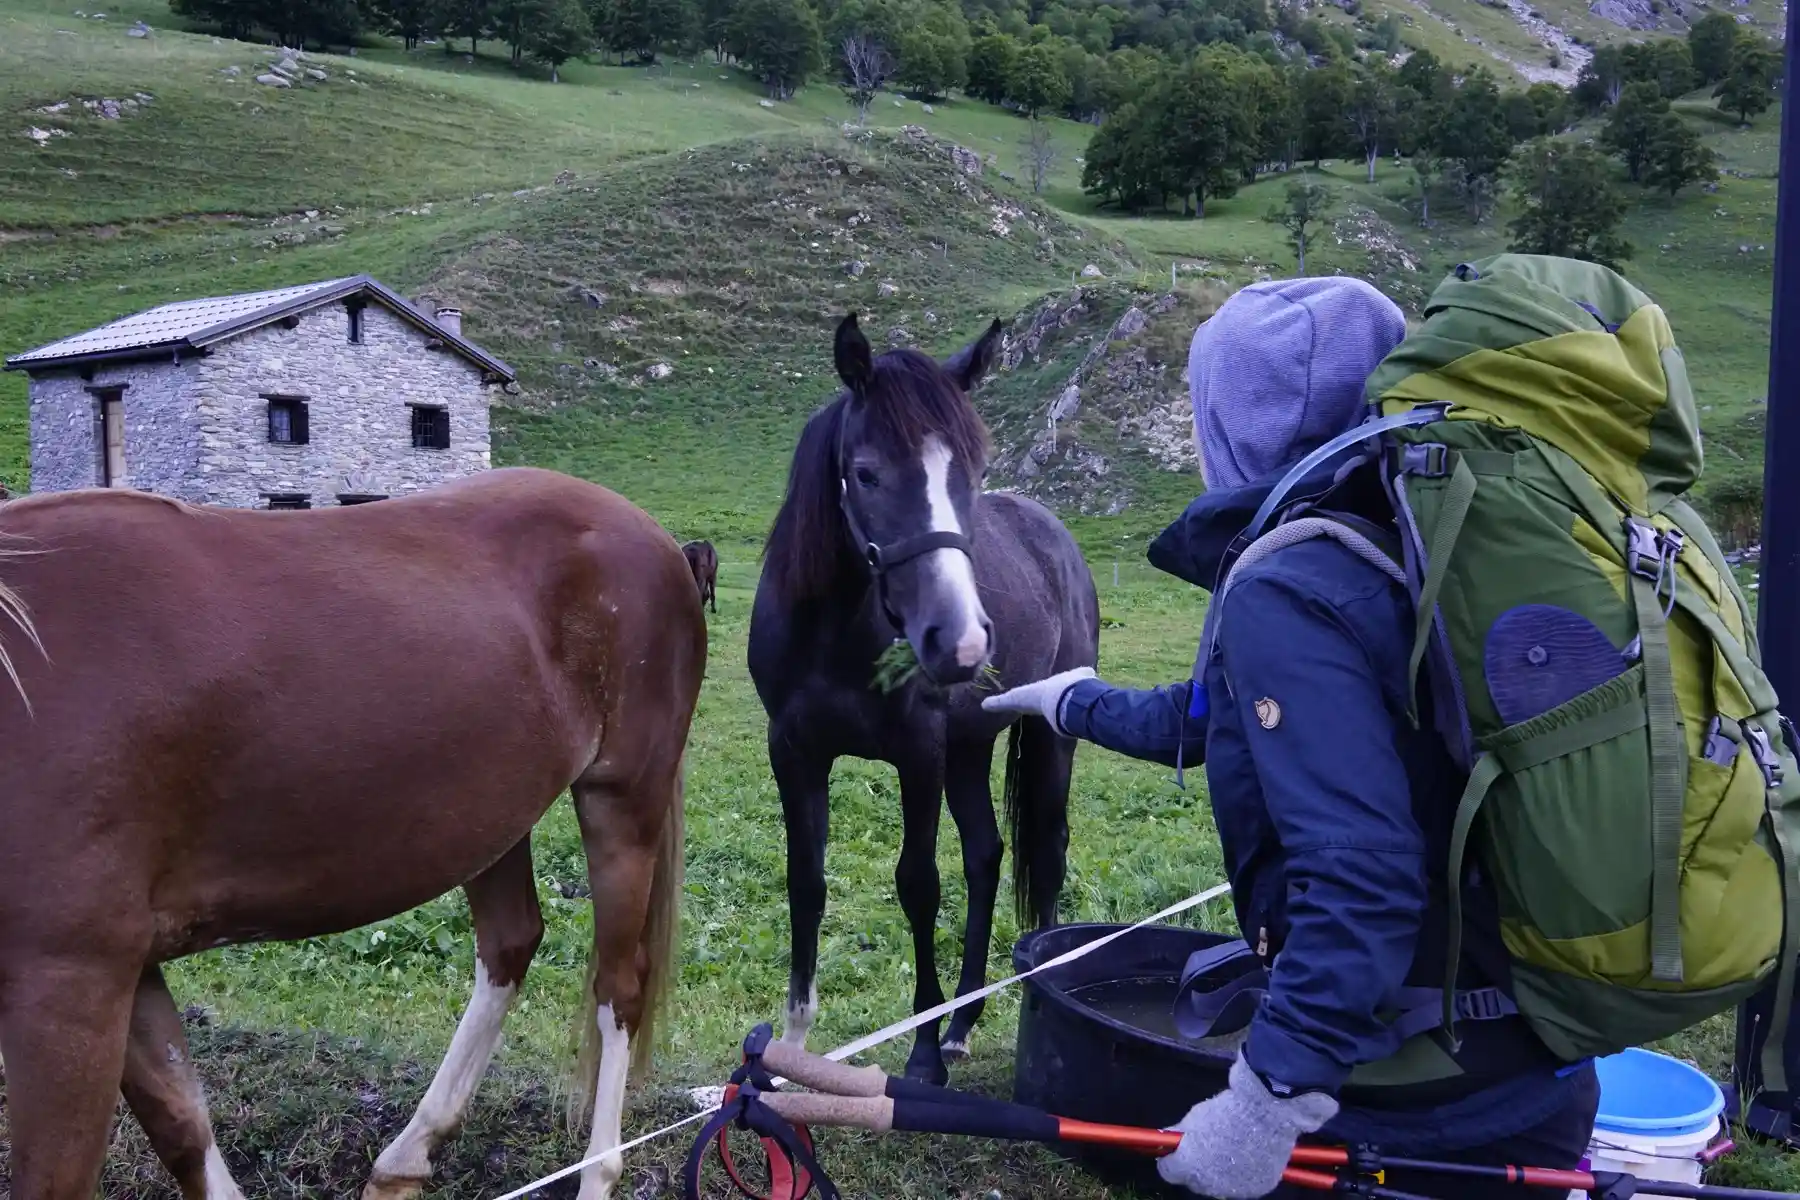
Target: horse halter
(882,559)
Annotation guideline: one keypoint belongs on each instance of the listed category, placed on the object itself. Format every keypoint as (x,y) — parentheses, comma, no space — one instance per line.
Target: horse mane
(910,398)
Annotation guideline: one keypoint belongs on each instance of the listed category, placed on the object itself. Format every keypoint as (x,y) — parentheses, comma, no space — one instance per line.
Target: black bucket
(1096,1042)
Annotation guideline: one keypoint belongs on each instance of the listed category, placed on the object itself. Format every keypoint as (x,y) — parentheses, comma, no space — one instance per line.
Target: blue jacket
(1334,815)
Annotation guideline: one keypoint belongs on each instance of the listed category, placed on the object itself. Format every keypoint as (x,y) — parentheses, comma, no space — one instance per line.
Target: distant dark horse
(885,531)
(703,561)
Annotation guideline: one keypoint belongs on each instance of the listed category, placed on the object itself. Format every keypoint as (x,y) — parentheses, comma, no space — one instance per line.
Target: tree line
(1565,192)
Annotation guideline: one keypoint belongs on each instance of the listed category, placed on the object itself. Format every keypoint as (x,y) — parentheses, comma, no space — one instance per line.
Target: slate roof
(196,324)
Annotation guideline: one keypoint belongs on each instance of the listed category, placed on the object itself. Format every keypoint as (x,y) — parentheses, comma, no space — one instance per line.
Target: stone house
(335,392)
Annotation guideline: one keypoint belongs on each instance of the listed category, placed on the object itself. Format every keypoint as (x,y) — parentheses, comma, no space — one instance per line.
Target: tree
(1553,107)
(558,31)
(714,18)
(472,19)
(934,51)
(1205,127)
(1325,96)
(642,28)
(1428,173)
(1634,122)
(1473,133)
(1711,40)
(1568,203)
(867,65)
(779,39)
(1040,153)
(1677,157)
(1038,81)
(1673,67)
(1749,85)
(993,60)
(1308,203)
(1522,120)
(1374,112)
(411,20)
(1601,80)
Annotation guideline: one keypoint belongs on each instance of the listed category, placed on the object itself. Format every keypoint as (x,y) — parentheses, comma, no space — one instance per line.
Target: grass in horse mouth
(899,663)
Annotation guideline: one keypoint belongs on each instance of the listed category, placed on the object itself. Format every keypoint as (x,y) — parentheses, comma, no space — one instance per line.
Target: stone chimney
(451,320)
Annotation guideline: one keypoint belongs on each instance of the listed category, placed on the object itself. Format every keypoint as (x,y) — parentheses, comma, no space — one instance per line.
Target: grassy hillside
(627,218)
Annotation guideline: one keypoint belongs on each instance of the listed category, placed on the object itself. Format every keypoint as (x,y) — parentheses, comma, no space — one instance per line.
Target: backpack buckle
(1722,741)
(1643,550)
(1430,460)
(1762,752)
(1483,1004)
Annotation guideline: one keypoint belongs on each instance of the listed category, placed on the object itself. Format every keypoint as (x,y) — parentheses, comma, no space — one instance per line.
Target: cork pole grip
(874,1113)
(794,1063)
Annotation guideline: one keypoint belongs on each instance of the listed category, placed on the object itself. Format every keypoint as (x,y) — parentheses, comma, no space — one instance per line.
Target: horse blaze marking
(953,566)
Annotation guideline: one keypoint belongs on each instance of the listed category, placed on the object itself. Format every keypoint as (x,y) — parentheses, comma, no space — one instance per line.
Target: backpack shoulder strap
(1361,538)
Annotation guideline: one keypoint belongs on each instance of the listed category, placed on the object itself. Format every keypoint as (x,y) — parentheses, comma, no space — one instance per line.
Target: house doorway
(112,439)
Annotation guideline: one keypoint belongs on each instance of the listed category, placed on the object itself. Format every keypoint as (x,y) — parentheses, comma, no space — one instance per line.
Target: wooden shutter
(298,422)
(440,433)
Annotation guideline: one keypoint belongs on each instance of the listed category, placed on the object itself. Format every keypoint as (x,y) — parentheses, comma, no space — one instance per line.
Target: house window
(430,427)
(289,500)
(347,498)
(353,309)
(109,418)
(288,424)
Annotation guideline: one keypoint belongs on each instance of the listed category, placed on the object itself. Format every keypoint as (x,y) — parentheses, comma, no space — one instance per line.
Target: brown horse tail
(658,948)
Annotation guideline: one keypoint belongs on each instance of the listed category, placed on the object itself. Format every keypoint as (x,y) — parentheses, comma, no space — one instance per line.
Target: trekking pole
(1607,1185)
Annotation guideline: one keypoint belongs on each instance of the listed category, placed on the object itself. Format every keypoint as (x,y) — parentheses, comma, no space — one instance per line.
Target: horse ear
(968,365)
(855,361)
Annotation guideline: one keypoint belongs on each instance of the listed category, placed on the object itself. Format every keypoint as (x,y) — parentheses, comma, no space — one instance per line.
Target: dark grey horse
(885,532)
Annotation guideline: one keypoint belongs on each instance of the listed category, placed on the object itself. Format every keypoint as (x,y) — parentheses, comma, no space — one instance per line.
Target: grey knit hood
(1279,370)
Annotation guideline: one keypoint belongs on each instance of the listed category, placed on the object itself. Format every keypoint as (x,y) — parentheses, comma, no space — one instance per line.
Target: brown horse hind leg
(63,1027)
(165,1095)
(632,832)
(508,926)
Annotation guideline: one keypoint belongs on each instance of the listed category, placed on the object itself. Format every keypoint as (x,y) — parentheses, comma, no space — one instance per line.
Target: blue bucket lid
(1645,1092)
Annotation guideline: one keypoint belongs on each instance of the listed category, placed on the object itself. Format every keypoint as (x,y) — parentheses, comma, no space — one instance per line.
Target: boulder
(1090,272)
(315,73)
(274,81)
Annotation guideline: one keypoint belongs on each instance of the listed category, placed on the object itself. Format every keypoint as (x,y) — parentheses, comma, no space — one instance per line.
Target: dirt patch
(304,1114)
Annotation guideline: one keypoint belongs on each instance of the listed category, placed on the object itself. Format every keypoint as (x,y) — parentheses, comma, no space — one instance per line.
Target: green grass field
(720,231)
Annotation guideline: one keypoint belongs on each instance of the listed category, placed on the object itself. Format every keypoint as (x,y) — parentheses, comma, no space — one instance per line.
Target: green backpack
(1632,787)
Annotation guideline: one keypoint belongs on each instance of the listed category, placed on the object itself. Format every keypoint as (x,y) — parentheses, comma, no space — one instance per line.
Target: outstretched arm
(1165,725)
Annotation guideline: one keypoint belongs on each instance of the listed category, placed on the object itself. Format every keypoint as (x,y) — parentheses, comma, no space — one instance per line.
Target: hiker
(1333,808)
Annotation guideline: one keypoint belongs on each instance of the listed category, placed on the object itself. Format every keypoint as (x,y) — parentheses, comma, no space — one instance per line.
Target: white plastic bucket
(1657,1116)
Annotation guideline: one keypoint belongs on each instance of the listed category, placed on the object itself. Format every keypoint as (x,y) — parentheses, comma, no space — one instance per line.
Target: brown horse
(250,726)
(703,560)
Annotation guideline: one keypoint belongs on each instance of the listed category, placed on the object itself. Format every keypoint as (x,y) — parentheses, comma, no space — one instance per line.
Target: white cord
(893,1031)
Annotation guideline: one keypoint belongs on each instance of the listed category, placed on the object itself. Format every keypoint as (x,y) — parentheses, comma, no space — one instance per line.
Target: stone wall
(162,437)
(359,398)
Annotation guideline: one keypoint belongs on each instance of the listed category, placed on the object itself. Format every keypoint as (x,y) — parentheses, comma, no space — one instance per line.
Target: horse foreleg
(971,803)
(632,837)
(508,926)
(63,1028)
(804,781)
(165,1095)
(916,882)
